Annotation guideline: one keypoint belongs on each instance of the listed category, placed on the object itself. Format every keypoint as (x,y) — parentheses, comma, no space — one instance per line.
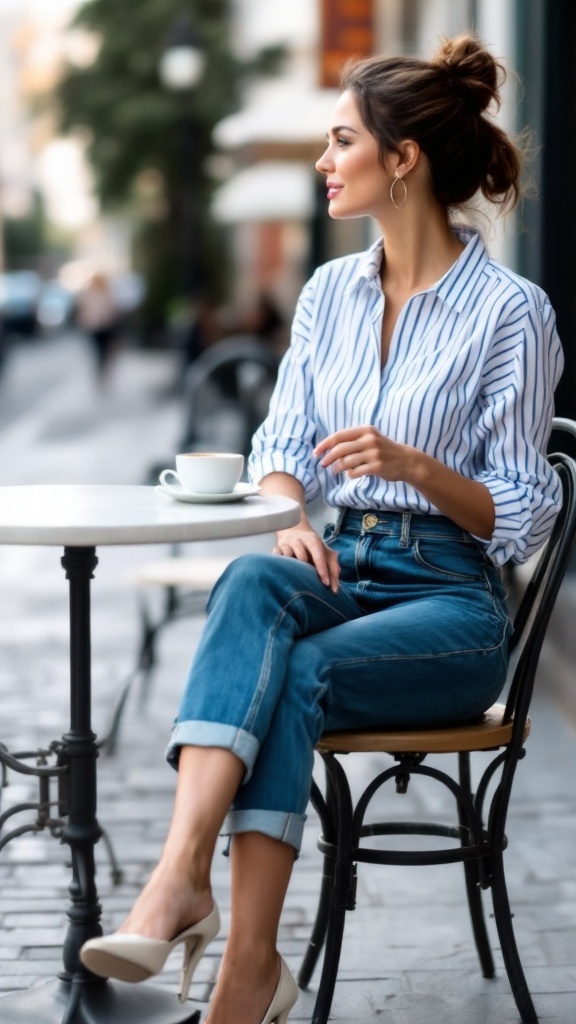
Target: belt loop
(405,535)
(339,521)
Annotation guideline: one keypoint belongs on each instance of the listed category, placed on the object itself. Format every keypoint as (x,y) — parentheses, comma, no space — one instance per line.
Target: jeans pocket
(328,532)
(450,559)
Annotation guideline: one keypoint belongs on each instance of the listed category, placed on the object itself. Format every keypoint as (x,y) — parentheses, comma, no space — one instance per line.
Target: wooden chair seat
(193,573)
(488,734)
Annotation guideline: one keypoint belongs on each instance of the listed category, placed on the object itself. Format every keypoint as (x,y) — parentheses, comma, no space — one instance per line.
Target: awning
(282,115)
(271,190)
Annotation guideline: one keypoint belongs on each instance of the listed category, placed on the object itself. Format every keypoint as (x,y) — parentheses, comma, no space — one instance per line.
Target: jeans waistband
(399,524)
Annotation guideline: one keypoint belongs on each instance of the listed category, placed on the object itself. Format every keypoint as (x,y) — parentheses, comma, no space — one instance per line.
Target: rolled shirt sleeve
(519,379)
(285,441)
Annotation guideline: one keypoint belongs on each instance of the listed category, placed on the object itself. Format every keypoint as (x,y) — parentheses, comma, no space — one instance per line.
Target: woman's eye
(342,142)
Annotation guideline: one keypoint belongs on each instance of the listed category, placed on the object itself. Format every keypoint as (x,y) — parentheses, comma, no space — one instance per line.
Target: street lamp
(183,60)
(180,69)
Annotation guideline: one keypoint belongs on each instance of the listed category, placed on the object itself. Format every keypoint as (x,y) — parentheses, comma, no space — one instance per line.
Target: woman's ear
(408,156)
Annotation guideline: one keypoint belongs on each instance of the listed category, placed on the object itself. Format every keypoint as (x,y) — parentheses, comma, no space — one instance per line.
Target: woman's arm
(302,541)
(360,451)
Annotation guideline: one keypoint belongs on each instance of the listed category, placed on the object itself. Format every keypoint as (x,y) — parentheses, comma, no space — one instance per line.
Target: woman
(417,396)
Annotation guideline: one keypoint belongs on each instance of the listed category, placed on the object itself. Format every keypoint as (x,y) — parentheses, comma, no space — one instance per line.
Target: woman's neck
(419,248)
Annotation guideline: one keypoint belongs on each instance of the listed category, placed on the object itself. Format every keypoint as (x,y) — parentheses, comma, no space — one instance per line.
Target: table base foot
(99,1003)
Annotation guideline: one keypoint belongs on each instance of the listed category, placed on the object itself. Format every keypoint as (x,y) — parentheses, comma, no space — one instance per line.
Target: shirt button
(369,521)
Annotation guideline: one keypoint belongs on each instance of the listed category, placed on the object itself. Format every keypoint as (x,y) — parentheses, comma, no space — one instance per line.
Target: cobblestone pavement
(408,956)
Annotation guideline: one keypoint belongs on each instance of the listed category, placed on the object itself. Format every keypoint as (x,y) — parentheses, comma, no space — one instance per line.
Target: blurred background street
(159,213)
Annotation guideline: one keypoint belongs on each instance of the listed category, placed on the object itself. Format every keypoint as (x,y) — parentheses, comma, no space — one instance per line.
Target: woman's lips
(333,190)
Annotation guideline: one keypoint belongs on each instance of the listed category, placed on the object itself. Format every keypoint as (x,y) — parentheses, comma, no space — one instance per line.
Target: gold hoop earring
(397,178)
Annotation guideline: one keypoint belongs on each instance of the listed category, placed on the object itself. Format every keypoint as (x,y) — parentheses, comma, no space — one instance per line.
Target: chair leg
(326,811)
(318,936)
(330,966)
(116,873)
(473,891)
(342,894)
(512,963)
(476,908)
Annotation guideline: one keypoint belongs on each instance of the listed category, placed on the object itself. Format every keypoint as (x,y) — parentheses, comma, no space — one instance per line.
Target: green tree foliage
(134,124)
(25,237)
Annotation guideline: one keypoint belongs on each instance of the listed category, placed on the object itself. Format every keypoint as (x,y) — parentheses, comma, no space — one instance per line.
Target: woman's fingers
(307,546)
(348,450)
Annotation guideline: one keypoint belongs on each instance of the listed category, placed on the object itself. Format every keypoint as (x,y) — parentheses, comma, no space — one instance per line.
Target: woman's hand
(363,451)
(303,543)
(360,451)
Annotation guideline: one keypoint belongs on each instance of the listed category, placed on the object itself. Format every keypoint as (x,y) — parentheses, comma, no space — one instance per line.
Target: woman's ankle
(250,953)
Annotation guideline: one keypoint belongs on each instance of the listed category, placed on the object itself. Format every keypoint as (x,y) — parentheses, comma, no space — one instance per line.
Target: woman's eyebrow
(341,128)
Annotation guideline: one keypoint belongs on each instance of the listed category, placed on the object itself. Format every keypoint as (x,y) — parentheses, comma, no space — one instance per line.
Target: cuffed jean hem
(214,734)
(282,825)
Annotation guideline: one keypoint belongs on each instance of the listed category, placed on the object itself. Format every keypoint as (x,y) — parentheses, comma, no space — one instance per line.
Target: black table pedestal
(77,996)
(101,1002)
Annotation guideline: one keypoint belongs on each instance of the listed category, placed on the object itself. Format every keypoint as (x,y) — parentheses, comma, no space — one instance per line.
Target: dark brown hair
(440,104)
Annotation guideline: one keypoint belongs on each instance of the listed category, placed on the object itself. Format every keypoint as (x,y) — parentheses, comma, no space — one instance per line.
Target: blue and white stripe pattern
(470,376)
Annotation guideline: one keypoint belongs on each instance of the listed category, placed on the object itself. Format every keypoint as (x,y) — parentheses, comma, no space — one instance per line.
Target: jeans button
(369,521)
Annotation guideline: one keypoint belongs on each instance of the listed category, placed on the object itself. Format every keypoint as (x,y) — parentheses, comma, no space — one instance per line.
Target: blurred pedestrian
(98,316)
(265,322)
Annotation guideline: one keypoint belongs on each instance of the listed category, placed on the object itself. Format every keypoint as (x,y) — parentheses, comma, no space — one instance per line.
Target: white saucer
(239,492)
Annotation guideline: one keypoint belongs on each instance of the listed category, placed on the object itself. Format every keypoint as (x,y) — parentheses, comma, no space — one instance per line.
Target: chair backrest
(240,371)
(230,351)
(533,614)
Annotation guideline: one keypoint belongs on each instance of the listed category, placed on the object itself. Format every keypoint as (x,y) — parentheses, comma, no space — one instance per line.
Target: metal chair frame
(252,366)
(479,835)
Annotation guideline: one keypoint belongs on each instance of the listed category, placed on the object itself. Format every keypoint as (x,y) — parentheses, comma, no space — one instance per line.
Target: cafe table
(79,518)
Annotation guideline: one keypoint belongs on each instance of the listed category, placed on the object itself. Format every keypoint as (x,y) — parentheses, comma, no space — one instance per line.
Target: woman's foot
(167,905)
(245,988)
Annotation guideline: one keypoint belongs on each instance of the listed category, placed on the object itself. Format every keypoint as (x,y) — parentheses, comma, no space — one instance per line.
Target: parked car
(19,294)
(55,306)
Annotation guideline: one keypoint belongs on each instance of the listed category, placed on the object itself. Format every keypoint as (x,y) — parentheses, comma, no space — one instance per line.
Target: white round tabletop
(87,515)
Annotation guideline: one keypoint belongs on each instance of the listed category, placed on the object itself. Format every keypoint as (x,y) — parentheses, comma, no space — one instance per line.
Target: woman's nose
(323,164)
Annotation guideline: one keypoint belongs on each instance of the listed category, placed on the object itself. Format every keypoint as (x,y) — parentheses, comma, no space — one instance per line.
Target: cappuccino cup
(205,472)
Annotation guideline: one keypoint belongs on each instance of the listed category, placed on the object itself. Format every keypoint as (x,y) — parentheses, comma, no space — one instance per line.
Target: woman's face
(357,183)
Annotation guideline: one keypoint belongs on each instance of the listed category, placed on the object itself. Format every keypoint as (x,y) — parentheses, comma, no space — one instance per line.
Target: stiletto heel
(134,957)
(193,951)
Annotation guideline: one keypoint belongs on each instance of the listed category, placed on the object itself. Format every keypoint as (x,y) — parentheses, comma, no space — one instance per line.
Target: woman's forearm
(467,502)
(288,487)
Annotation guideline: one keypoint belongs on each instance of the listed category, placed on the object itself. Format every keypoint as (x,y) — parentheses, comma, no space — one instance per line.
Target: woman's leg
(179,893)
(261,869)
(257,610)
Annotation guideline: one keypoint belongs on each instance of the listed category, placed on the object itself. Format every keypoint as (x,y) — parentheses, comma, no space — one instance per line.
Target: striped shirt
(469,379)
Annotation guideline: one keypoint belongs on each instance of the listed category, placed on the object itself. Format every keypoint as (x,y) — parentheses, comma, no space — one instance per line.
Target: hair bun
(472,70)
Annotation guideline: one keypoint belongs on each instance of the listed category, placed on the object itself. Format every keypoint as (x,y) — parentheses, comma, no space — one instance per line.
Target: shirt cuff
(276,461)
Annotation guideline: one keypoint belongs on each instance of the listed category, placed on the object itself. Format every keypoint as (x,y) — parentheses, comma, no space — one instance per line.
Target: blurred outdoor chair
(227,392)
(478,835)
(185,585)
(226,396)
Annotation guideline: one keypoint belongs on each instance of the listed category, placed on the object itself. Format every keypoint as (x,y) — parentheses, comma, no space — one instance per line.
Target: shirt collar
(457,284)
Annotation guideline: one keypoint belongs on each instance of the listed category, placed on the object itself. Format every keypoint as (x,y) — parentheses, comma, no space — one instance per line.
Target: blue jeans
(416,636)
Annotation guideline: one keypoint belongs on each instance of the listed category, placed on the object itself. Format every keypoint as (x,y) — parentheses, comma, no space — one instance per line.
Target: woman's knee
(264,576)
(247,568)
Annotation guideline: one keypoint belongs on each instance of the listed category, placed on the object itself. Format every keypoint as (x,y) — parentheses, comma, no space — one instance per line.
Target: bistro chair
(478,829)
(227,391)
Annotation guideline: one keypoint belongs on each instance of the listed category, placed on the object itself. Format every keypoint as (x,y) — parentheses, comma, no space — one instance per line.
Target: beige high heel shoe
(134,957)
(284,998)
